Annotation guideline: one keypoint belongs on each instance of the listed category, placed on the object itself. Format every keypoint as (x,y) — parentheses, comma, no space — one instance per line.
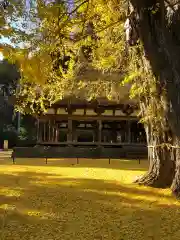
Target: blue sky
(7,40)
(17,24)
(3,40)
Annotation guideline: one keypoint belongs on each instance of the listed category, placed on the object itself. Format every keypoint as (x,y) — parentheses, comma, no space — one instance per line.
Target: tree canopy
(72,46)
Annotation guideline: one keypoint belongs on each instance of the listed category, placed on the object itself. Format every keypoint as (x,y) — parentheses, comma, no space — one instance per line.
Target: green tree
(8,83)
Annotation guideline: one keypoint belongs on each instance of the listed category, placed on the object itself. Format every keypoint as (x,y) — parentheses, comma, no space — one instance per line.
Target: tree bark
(161,164)
(175,187)
(159,24)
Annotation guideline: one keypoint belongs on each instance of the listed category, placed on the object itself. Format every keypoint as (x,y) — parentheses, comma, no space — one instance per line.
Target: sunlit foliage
(71,46)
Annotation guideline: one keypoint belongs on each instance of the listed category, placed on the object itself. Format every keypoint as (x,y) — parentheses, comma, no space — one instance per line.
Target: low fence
(126,152)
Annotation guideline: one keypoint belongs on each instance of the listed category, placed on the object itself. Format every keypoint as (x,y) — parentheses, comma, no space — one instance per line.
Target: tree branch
(101,30)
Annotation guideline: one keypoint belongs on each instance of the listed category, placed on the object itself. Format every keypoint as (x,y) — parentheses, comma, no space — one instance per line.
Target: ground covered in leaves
(91,200)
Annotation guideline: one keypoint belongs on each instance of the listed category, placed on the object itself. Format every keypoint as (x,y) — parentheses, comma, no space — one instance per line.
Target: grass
(92,200)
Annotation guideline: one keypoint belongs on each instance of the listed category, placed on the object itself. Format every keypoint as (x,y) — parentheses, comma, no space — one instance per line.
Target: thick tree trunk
(175,187)
(159,24)
(161,164)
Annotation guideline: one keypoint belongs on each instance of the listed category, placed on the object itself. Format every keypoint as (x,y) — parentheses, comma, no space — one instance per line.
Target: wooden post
(49,135)
(56,133)
(38,132)
(128,131)
(44,131)
(5,145)
(13,157)
(70,128)
(46,155)
(99,132)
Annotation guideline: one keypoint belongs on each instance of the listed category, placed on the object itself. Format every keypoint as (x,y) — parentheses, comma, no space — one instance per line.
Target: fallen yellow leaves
(91,200)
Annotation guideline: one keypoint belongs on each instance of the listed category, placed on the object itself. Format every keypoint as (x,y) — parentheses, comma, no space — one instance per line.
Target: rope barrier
(164,145)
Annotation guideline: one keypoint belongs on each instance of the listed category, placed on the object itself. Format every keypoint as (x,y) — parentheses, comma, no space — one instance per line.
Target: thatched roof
(120,96)
(90,75)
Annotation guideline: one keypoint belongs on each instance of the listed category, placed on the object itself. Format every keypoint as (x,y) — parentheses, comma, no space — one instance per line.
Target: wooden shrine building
(95,129)
(74,127)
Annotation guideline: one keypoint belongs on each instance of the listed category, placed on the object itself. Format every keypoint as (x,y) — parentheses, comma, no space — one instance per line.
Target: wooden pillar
(41,131)
(99,132)
(38,132)
(70,129)
(74,132)
(128,131)
(56,132)
(44,138)
(49,132)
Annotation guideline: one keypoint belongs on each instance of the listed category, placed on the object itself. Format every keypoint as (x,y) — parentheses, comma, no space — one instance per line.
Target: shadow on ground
(47,206)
